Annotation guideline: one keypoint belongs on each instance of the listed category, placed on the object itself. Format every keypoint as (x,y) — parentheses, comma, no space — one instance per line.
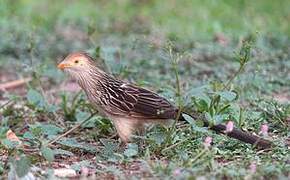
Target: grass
(132,38)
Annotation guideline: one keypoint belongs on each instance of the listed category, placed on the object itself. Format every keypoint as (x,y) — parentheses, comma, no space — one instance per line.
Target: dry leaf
(65,173)
(10,135)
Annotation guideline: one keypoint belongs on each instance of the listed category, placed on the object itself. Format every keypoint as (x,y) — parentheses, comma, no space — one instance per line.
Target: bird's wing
(137,102)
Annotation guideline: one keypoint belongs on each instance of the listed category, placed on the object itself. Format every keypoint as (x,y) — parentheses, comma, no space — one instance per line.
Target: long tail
(243,136)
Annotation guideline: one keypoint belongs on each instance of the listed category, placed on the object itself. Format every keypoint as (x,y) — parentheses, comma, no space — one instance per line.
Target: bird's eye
(76,61)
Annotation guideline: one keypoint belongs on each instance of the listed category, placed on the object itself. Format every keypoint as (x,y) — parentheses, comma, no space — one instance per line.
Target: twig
(178,86)
(14,84)
(175,60)
(199,155)
(233,77)
(174,145)
(71,130)
(5,104)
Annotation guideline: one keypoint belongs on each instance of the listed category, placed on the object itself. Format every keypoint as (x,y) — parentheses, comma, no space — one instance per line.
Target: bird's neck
(93,82)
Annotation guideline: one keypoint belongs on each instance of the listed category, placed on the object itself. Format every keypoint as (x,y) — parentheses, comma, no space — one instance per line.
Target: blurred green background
(184,19)
(138,30)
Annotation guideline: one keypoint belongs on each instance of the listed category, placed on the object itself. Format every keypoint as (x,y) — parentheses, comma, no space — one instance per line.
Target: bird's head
(81,67)
(76,62)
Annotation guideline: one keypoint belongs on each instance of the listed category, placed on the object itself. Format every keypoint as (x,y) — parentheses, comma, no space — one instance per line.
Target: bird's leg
(123,146)
(141,133)
(125,128)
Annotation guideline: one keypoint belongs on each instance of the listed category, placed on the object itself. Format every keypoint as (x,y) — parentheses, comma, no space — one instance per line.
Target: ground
(149,43)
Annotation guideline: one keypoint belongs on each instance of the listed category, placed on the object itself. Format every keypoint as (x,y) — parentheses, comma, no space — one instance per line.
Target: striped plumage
(128,106)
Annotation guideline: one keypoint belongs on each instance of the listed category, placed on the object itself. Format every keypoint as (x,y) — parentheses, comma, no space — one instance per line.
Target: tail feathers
(238,134)
(243,136)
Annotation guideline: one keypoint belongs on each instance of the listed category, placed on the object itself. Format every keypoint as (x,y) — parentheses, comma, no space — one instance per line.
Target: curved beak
(62,66)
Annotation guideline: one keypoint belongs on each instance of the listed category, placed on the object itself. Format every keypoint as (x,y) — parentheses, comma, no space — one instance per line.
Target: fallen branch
(71,130)
(5,104)
(14,84)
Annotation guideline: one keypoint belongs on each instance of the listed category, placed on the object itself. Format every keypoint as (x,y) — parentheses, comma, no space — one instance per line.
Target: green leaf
(97,51)
(1,168)
(9,144)
(22,166)
(78,165)
(110,146)
(198,128)
(50,129)
(35,129)
(197,125)
(208,117)
(109,151)
(80,116)
(188,118)
(132,150)
(73,143)
(28,135)
(62,152)
(199,94)
(158,137)
(35,98)
(218,119)
(202,105)
(47,153)
(224,108)
(52,108)
(228,95)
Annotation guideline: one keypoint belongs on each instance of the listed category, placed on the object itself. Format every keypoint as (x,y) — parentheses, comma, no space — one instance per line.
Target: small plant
(175,58)
(70,111)
(217,101)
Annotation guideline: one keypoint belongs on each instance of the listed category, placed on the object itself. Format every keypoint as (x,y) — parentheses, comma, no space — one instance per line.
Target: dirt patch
(283,97)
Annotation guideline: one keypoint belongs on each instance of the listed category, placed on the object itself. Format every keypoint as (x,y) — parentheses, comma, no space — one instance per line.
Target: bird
(131,107)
